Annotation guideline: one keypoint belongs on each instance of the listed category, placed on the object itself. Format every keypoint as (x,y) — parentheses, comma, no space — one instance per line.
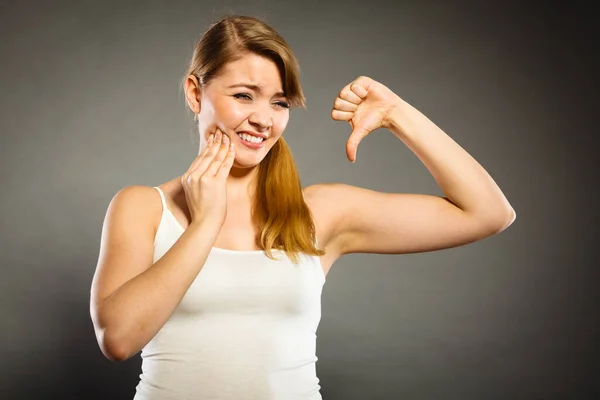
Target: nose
(261,117)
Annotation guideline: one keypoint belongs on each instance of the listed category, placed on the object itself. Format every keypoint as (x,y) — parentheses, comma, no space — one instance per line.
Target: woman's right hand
(205,180)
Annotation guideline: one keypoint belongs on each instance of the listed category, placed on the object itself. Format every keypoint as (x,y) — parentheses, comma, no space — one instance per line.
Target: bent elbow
(500,222)
(113,348)
(112,343)
(511,217)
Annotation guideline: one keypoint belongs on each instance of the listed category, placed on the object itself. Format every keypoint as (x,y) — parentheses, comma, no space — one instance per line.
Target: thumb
(358,134)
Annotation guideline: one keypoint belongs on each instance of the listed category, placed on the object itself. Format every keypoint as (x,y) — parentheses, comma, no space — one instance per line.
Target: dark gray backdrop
(90,103)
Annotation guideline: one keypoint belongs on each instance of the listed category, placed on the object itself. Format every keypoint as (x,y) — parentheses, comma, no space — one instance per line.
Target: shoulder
(328,203)
(136,197)
(136,204)
(327,196)
(319,189)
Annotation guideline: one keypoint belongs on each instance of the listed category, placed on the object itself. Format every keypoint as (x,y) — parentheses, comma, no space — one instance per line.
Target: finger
(348,95)
(344,105)
(185,178)
(358,87)
(218,136)
(227,163)
(213,168)
(203,153)
(212,151)
(341,115)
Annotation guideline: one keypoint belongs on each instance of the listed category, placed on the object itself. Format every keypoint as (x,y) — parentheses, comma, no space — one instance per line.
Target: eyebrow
(254,87)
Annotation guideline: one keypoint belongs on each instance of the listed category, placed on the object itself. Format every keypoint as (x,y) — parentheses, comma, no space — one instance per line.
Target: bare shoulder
(135,203)
(329,200)
(144,195)
(127,239)
(327,204)
(320,197)
(133,210)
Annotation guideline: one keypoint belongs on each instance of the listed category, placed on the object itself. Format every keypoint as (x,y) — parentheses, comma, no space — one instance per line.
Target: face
(246,102)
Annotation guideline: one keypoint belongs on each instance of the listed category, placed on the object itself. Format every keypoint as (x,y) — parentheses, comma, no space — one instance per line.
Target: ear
(192,93)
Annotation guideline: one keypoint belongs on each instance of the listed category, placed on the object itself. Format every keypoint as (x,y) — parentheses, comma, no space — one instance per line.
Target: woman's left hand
(367,105)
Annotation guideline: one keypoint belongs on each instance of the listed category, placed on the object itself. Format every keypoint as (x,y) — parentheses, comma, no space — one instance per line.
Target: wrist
(206,225)
(402,119)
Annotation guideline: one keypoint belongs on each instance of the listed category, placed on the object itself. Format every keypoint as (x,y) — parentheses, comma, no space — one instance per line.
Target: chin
(246,158)
(246,162)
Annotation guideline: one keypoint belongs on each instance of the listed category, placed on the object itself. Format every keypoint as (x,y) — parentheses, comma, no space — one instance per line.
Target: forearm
(462,179)
(136,311)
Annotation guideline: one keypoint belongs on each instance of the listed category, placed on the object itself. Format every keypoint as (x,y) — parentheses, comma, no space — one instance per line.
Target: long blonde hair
(279,211)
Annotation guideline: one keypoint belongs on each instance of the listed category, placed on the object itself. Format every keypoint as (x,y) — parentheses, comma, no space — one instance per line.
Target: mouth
(252,140)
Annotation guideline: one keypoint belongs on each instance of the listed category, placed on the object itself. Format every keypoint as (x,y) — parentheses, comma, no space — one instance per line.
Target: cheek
(280,123)
(230,113)
(221,112)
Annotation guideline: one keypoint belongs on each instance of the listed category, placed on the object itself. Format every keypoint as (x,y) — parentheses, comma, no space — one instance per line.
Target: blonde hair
(279,211)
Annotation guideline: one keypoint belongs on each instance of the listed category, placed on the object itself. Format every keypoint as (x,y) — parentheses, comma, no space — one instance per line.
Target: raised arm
(362,220)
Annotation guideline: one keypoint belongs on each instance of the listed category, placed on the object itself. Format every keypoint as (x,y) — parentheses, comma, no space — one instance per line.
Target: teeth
(250,138)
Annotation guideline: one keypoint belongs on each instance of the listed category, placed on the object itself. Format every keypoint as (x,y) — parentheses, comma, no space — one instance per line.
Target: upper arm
(365,221)
(127,241)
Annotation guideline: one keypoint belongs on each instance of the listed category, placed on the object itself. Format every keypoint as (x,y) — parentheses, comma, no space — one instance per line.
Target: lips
(248,140)
(260,135)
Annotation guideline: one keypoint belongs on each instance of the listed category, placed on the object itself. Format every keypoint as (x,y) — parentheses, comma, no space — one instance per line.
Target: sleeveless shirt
(244,330)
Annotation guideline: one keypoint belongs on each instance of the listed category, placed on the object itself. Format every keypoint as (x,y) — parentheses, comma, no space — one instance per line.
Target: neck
(241,182)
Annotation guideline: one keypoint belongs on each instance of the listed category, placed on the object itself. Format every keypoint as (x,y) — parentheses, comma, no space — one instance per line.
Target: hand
(205,180)
(366,104)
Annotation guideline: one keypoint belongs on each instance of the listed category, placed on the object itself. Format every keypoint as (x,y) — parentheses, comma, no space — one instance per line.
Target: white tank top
(245,329)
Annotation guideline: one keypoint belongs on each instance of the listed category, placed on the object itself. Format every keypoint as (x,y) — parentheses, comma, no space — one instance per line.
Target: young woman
(216,275)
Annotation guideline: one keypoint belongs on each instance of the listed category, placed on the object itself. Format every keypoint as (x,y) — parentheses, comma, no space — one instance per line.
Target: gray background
(90,103)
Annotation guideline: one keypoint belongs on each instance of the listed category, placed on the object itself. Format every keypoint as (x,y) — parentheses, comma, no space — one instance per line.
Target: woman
(217,274)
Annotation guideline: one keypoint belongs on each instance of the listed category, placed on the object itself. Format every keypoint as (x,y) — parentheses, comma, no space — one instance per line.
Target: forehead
(252,69)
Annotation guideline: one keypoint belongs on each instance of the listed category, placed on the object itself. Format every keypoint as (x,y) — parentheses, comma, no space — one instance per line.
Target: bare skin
(132,297)
(237,233)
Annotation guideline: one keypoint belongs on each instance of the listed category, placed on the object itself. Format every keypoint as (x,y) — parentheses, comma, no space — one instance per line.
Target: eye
(283,104)
(244,96)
